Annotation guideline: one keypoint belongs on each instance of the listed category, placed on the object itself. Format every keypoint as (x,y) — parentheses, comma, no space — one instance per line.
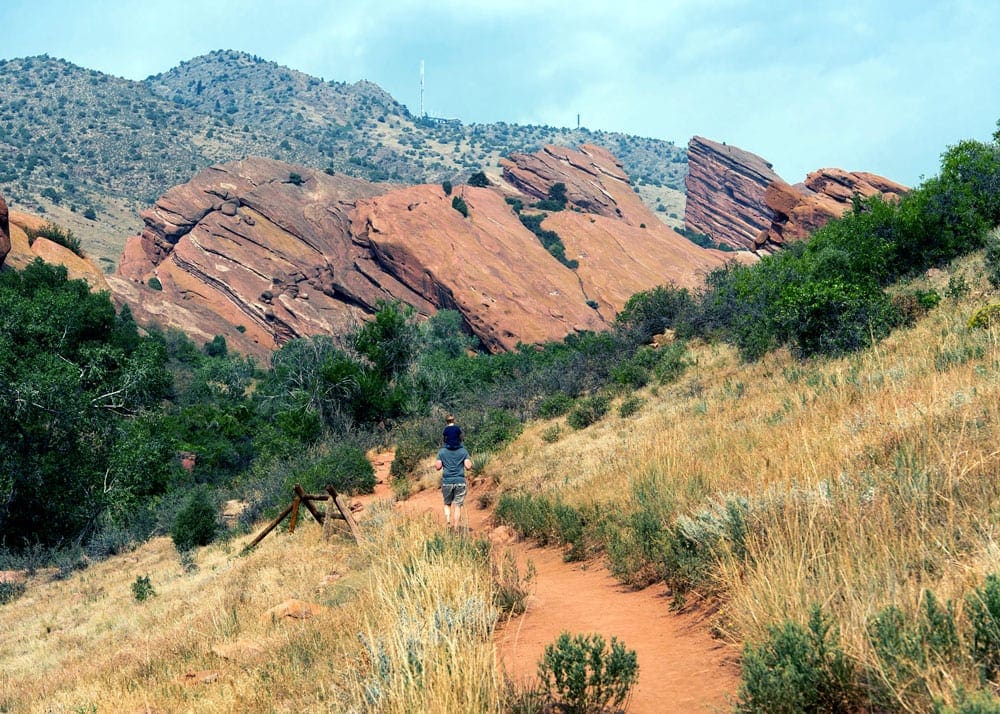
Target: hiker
(452,434)
(453,463)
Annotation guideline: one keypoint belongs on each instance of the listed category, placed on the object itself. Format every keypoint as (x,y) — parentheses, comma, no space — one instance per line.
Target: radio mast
(421,89)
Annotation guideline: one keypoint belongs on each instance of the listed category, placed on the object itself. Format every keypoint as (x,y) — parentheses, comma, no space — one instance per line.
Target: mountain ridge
(92,150)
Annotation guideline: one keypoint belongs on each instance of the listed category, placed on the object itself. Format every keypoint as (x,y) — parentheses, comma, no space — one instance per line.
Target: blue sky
(875,86)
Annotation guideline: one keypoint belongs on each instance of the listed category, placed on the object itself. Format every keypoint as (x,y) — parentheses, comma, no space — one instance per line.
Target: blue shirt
(453,464)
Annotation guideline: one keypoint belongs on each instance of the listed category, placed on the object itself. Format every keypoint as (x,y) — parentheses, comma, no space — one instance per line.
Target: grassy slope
(869,478)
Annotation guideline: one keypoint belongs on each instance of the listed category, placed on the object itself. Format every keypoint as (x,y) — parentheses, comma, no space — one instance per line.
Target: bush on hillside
(798,669)
(993,257)
(196,524)
(587,411)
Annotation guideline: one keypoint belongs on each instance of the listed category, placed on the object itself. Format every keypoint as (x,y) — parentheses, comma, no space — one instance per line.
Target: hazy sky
(876,86)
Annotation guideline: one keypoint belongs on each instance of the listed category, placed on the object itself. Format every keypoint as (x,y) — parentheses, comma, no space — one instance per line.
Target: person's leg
(457,511)
(447,515)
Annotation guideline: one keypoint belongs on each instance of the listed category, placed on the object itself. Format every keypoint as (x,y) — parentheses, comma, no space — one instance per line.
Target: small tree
(195,524)
(446,186)
(459,204)
(479,179)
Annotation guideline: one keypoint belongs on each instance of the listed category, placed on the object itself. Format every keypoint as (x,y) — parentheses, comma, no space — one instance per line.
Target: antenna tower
(421,89)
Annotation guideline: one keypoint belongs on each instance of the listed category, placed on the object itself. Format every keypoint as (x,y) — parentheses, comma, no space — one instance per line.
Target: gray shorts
(453,493)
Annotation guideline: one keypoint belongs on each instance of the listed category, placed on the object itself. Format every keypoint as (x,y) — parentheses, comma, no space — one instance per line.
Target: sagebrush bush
(196,523)
(798,669)
(583,674)
(983,609)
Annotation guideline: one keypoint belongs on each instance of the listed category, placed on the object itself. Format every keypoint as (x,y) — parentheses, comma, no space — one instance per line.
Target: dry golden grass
(85,644)
(869,478)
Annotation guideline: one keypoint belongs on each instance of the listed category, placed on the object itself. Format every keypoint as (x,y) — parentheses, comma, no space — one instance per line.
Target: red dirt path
(681,667)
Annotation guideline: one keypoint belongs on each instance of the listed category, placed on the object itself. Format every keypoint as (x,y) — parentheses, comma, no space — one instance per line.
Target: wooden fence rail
(337,508)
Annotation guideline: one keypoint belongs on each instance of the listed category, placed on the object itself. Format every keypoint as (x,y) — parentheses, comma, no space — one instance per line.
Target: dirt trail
(681,667)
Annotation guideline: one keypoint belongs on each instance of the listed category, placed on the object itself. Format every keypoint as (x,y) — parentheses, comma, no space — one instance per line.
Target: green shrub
(587,411)
(554,405)
(56,234)
(296,179)
(459,204)
(907,646)
(491,430)
(142,588)
(798,669)
(630,405)
(583,675)
(479,179)
(993,257)
(983,608)
(672,362)
(985,317)
(154,283)
(90,214)
(196,523)
(346,468)
(446,187)
(11,591)
(551,434)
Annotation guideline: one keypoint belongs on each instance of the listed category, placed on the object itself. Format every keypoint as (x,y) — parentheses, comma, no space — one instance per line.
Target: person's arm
(438,465)
(468,463)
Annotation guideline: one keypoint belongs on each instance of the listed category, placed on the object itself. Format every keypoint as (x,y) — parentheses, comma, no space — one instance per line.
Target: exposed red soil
(681,667)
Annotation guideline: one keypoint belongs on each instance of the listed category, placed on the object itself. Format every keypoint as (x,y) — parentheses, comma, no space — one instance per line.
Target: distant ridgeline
(76,137)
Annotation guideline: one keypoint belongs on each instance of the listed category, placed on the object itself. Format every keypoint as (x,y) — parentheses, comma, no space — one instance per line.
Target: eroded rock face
(735,198)
(245,252)
(4,231)
(725,193)
(258,251)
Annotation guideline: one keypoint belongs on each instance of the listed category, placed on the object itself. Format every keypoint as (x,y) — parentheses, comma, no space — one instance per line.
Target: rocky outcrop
(735,198)
(799,210)
(262,252)
(594,179)
(725,193)
(4,231)
(22,251)
(258,251)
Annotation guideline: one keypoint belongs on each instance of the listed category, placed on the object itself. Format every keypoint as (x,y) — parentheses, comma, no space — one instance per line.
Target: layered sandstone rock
(4,231)
(799,210)
(734,197)
(258,251)
(246,252)
(725,193)
(594,179)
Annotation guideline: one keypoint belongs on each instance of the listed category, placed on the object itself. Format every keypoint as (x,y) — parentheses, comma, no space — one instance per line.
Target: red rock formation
(725,193)
(4,231)
(735,198)
(245,251)
(241,246)
(22,253)
(801,209)
(594,180)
